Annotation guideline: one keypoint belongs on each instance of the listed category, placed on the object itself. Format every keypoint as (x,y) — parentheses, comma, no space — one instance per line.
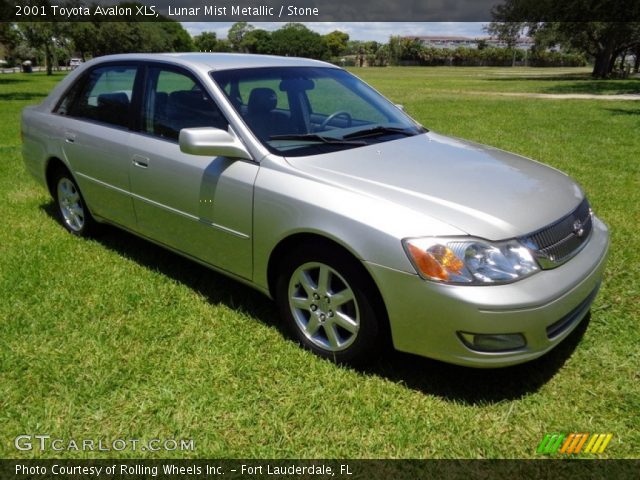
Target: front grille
(557,243)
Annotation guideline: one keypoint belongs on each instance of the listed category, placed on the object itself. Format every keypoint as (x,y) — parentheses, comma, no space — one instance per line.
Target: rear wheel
(72,210)
(329,305)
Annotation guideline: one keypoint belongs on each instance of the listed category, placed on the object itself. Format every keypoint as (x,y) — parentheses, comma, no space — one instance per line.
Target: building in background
(452,42)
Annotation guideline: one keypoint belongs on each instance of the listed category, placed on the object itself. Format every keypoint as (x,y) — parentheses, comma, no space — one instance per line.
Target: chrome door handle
(140,161)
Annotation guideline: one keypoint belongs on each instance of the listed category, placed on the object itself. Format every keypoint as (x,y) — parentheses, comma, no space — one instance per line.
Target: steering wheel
(339,113)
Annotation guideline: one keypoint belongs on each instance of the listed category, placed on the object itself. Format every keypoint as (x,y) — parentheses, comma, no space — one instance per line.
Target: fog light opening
(494,343)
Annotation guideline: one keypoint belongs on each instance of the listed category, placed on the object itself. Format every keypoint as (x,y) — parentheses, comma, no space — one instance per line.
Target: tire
(70,205)
(312,281)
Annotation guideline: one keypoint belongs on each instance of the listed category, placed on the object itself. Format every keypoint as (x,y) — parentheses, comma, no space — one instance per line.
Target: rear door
(199,205)
(94,126)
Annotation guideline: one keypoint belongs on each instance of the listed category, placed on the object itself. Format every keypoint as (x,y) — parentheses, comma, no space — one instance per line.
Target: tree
(177,39)
(381,55)
(636,52)
(569,23)
(257,41)
(296,40)
(10,39)
(404,49)
(41,36)
(237,33)
(394,49)
(129,37)
(208,42)
(336,42)
(84,36)
(507,32)
(604,41)
(104,38)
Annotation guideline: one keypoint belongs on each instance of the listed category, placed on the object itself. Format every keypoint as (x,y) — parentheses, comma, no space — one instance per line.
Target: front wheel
(330,306)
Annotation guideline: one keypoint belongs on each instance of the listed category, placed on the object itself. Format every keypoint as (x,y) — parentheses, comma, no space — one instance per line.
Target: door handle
(140,161)
(69,137)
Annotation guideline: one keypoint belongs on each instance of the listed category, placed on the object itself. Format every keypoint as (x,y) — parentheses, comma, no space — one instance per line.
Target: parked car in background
(75,62)
(295,177)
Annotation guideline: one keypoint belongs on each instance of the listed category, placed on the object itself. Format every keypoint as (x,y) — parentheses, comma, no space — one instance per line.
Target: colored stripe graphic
(581,443)
(598,442)
(573,443)
(550,443)
(592,440)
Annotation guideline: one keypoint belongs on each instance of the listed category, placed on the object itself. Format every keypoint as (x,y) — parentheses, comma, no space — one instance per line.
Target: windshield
(298,111)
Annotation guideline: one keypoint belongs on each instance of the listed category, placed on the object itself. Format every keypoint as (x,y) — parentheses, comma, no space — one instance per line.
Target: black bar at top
(315,10)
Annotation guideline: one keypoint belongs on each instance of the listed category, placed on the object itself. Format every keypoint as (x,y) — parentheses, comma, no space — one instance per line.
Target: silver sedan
(295,177)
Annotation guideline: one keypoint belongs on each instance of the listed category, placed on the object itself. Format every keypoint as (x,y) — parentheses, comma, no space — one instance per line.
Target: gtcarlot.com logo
(45,443)
(574,443)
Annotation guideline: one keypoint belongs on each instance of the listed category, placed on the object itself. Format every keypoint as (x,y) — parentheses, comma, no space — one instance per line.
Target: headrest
(193,100)
(262,100)
(118,98)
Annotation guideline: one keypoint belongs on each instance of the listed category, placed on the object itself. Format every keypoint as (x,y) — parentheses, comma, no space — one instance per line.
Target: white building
(451,42)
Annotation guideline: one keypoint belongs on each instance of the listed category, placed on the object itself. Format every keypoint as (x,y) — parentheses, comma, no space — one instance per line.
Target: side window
(64,106)
(174,101)
(105,96)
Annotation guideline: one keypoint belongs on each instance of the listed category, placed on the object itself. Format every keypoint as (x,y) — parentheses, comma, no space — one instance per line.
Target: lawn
(116,338)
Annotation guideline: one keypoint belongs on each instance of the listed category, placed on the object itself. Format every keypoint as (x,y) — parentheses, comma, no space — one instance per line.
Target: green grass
(420,80)
(116,338)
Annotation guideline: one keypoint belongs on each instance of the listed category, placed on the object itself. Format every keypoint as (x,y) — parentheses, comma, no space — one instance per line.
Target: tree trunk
(48,58)
(612,63)
(601,65)
(606,56)
(636,66)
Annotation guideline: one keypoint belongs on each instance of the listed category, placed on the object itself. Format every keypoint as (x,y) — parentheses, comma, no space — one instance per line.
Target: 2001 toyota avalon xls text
(297,178)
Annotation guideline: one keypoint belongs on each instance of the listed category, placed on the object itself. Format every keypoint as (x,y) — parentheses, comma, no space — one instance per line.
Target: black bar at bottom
(320,469)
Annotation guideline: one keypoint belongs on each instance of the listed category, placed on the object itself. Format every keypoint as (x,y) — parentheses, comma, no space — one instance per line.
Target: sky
(378,31)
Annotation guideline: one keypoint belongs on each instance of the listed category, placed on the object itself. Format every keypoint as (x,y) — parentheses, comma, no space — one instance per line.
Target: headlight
(470,260)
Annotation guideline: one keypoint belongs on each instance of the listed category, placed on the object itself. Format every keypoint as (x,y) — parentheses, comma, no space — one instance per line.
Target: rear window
(105,96)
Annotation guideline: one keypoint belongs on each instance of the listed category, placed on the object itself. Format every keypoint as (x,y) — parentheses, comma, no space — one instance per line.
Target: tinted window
(66,103)
(329,95)
(106,96)
(173,101)
(307,110)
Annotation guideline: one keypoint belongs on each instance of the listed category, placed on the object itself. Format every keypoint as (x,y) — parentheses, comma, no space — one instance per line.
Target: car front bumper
(425,317)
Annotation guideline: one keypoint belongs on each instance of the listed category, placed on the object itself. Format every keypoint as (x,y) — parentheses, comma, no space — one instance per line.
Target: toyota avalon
(295,177)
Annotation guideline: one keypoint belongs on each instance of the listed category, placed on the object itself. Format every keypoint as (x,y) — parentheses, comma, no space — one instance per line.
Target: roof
(219,61)
(442,38)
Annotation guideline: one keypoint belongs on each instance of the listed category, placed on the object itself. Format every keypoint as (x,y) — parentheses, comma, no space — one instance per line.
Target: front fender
(288,202)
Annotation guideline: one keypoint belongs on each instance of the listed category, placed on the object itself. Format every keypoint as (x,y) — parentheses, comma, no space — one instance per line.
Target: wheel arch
(298,240)
(52,165)
(55,164)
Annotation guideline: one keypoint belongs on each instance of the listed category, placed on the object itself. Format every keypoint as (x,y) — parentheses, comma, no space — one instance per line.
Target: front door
(199,205)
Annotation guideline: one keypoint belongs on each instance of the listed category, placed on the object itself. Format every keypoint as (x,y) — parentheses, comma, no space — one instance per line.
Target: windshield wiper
(314,137)
(382,130)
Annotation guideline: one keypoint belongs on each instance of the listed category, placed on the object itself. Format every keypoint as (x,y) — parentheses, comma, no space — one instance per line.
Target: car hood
(483,191)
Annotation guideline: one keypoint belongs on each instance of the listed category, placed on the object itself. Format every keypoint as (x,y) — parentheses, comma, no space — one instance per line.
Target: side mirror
(211,142)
